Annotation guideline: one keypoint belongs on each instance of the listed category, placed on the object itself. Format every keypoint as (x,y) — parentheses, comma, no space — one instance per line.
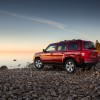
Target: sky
(31,25)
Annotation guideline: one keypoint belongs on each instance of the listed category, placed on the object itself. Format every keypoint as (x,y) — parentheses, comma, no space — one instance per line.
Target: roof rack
(69,40)
(76,39)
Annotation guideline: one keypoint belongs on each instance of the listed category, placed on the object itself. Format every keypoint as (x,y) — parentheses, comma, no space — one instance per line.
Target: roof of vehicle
(69,41)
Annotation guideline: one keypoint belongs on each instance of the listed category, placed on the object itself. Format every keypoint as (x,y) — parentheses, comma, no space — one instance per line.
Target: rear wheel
(38,63)
(70,66)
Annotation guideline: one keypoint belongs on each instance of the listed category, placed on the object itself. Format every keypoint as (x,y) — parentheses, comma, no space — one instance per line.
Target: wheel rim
(70,66)
(38,63)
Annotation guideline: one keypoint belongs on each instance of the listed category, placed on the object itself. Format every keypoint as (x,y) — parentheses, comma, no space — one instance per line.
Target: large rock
(3,67)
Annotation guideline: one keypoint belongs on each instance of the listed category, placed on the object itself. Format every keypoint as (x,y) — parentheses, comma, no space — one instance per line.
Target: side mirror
(44,50)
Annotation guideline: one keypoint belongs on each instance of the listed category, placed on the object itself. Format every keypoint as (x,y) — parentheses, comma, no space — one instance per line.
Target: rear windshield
(89,45)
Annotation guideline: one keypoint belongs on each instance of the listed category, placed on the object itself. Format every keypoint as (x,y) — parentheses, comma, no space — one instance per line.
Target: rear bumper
(91,61)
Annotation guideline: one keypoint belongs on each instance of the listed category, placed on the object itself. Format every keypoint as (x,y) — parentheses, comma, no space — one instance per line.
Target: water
(22,59)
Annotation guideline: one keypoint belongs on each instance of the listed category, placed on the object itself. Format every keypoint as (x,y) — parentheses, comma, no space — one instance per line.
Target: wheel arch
(67,58)
(37,57)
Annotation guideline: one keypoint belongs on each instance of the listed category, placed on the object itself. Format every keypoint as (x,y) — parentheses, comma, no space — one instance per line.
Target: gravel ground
(49,84)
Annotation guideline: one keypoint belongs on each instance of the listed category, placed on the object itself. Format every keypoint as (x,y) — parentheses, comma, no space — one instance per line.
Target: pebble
(49,84)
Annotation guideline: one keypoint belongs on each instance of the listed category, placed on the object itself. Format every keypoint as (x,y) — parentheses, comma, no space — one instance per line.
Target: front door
(47,56)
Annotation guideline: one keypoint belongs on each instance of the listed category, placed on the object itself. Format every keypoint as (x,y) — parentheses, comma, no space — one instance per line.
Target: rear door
(73,49)
(58,55)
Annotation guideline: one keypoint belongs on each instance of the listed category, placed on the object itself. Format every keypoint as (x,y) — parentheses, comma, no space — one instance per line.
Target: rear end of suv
(69,54)
(89,53)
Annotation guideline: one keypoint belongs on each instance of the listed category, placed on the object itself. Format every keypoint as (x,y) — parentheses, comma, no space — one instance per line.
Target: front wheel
(38,64)
(70,66)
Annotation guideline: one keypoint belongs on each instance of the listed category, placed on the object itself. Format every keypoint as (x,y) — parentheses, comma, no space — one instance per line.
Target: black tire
(54,67)
(70,66)
(38,64)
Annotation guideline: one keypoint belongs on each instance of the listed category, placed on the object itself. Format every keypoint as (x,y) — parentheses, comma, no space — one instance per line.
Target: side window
(73,46)
(61,47)
(51,47)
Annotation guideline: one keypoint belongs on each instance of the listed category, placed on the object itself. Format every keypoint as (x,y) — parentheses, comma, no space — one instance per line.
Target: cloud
(41,20)
(45,21)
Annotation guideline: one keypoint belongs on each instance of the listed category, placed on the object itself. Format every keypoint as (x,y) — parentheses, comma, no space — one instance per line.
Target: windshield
(89,45)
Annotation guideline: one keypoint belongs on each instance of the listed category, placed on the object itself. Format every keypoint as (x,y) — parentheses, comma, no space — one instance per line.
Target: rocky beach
(49,84)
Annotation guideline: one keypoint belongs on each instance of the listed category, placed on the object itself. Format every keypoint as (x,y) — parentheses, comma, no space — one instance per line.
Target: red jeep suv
(68,53)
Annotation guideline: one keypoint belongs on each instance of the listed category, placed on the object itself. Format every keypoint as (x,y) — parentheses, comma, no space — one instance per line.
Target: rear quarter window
(88,45)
